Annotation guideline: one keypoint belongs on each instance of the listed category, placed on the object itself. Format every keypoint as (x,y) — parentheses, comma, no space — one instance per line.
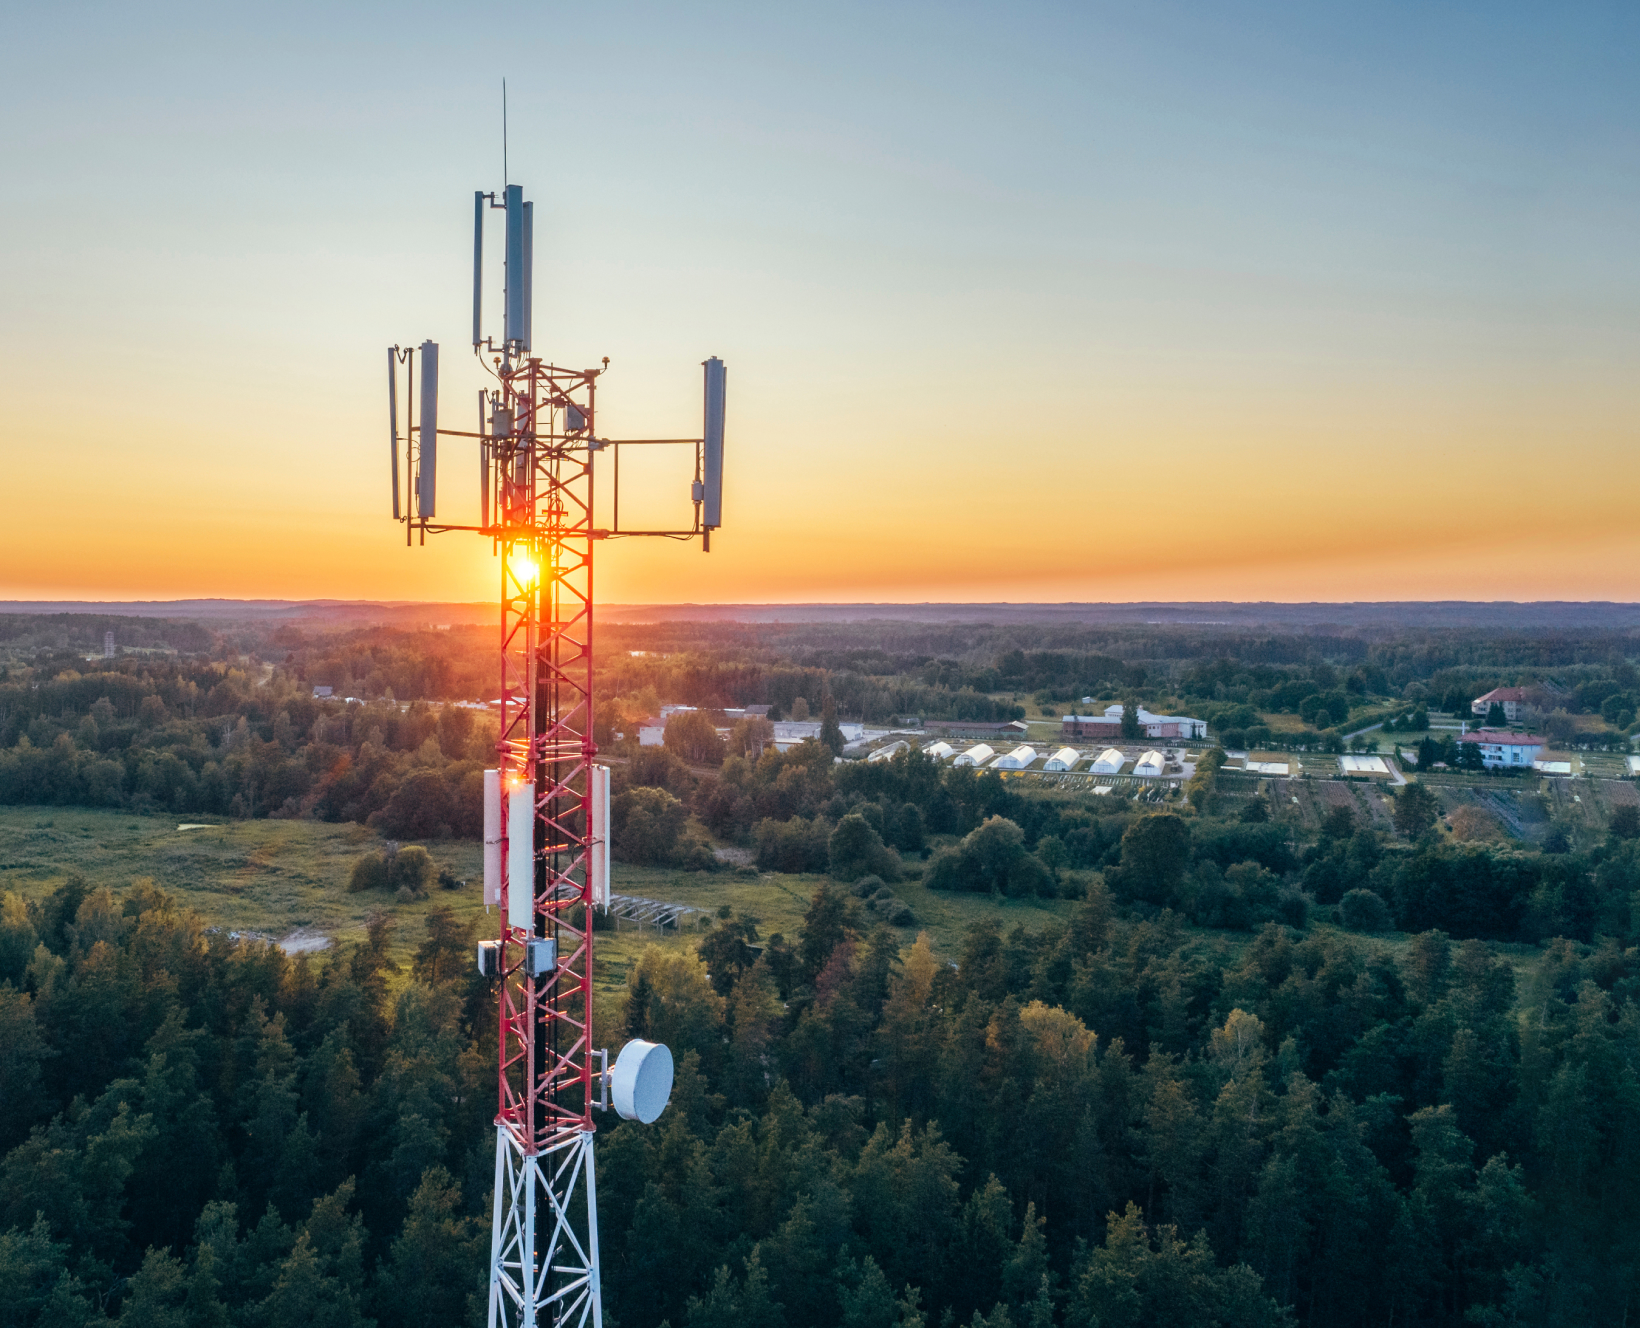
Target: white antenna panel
(492,838)
(521,858)
(598,832)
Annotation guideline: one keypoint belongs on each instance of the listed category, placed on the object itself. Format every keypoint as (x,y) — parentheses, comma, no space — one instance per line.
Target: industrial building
(976,756)
(1109,725)
(1064,759)
(1018,759)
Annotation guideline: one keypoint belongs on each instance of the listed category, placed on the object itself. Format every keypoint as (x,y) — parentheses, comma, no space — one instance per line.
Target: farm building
(1151,763)
(1552,767)
(1064,759)
(963,728)
(977,755)
(1634,765)
(1268,768)
(1506,750)
(1512,699)
(1110,762)
(1018,759)
(939,750)
(884,753)
(1109,725)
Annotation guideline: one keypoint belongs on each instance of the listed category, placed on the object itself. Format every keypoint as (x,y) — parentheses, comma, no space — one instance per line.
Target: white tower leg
(563,1291)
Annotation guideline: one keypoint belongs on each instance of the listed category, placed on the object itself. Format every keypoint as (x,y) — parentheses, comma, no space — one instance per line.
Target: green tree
(1155,855)
(831,734)
(856,850)
(692,737)
(447,953)
(435,1273)
(1496,718)
(646,825)
(1130,721)
(1415,810)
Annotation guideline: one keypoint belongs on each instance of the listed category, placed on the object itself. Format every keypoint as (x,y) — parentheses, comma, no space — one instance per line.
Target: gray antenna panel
(483,465)
(517,278)
(478,264)
(427,471)
(529,272)
(393,421)
(717,385)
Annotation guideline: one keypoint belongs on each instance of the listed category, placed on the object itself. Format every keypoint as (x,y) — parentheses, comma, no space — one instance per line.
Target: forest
(1257,1073)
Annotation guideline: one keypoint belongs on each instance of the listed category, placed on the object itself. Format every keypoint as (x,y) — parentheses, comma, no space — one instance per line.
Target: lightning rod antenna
(505,178)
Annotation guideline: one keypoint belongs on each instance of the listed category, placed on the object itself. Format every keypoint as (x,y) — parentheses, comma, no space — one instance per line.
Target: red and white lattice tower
(546,802)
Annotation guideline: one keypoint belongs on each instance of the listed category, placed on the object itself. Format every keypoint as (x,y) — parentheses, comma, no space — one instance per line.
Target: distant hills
(1540,615)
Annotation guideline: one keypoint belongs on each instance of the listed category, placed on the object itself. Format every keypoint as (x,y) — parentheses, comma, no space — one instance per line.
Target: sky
(1024,302)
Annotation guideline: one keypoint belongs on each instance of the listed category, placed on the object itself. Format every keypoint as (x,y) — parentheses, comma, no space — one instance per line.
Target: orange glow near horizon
(1102,307)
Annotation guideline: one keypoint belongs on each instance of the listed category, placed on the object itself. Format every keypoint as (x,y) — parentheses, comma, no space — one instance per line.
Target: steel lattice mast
(545,1261)
(546,803)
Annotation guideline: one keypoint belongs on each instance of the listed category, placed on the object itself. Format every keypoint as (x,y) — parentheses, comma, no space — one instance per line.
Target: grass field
(280,880)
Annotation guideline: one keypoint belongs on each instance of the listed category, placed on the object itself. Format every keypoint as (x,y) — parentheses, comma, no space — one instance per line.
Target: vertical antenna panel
(478,264)
(393,421)
(492,838)
(521,858)
(483,465)
(427,472)
(529,272)
(598,866)
(717,385)
(513,306)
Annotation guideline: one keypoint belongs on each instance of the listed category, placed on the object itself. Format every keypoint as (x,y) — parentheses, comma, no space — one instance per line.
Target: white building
(1267,768)
(1510,751)
(1552,767)
(976,756)
(1110,762)
(1064,759)
(1151,763)
(1018,759)
(1363,765)
(939,750)
(1634,766)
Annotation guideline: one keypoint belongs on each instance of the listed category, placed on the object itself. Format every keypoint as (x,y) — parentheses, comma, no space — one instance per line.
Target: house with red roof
(1511,751)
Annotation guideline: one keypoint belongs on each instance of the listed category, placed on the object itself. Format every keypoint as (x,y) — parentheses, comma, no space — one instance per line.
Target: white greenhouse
(1110,762)
(976,755)
(939,751)
(1064,759)
(1018,759)
(1150,763)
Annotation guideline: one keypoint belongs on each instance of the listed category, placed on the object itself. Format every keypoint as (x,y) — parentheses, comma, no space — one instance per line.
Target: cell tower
(546,805)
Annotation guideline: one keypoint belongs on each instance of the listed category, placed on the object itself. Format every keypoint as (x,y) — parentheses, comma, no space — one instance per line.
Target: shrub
(797,845)
(369,873)
(1362,910)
